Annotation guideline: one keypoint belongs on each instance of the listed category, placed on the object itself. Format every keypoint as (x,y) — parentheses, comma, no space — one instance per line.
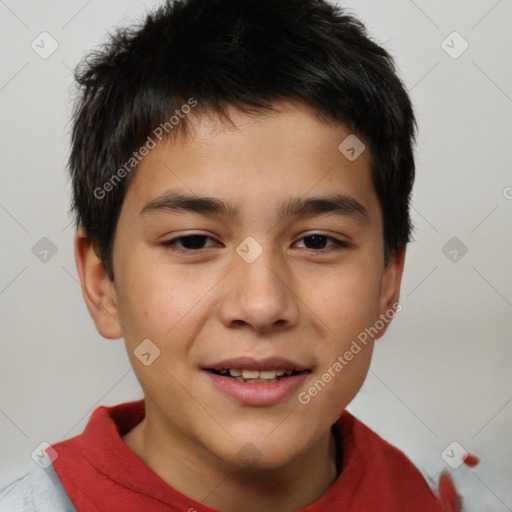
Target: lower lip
(258,393)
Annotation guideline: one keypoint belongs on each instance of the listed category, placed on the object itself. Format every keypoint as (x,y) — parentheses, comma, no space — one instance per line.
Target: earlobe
(97,289)
(390,292)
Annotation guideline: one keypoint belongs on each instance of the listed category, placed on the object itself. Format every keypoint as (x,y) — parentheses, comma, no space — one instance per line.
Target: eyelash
(338,244)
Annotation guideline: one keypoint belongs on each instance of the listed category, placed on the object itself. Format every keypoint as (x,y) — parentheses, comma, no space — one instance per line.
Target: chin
(259,450)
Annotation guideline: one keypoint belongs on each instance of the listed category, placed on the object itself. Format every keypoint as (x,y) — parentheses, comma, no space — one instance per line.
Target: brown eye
(189,243)
(317,242)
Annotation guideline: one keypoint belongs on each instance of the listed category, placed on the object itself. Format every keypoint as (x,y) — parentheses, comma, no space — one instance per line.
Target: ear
(98,290)
(390,292)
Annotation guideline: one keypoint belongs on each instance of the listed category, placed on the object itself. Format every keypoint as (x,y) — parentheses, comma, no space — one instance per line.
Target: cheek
(154,299)
(349,305)
(158,305)
(349,301)
(167,307)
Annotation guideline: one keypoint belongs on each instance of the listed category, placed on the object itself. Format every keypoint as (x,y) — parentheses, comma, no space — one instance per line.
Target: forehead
(254,158)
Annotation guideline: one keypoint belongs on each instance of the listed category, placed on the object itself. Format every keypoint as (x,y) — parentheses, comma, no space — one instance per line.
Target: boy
(241,177)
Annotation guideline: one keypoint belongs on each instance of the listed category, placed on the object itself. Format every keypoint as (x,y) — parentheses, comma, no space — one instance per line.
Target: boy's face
(224,300)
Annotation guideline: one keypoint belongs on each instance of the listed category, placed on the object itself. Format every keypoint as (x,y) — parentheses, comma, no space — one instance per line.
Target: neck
(228,488)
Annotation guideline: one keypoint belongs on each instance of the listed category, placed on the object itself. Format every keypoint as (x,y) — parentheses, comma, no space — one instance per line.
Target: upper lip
(249,363)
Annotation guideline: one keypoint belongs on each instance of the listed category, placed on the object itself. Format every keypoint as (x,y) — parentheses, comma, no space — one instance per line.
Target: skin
(212,305)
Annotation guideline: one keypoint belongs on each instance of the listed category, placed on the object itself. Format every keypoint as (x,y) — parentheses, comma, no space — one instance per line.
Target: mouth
(257,382)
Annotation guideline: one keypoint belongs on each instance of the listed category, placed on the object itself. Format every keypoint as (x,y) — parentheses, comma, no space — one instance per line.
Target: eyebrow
(337,204)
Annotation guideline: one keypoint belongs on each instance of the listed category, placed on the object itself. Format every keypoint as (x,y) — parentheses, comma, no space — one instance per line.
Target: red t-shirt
(100,473)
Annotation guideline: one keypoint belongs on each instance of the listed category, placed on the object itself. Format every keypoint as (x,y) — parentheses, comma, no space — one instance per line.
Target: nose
(259,295)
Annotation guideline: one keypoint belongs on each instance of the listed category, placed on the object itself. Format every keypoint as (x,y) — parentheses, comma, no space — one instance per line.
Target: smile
(255,376)
(257,387)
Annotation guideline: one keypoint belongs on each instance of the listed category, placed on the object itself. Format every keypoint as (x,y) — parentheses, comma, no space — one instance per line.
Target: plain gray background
(442,373)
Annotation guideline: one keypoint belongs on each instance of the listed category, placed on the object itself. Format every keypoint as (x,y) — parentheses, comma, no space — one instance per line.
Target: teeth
(250,374)
(264,375)
(254,381)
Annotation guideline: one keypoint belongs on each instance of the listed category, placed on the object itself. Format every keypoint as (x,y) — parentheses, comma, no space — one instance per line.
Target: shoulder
(36,489)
